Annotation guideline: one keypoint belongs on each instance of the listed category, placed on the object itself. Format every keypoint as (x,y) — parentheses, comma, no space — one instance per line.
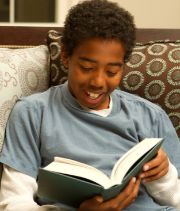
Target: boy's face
(95,70)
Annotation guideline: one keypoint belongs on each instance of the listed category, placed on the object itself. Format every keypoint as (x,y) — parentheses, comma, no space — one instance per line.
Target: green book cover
(72,191)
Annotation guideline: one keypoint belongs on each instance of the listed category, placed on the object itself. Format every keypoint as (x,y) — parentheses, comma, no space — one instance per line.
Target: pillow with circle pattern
(153,73)
(22,73)
(58,73)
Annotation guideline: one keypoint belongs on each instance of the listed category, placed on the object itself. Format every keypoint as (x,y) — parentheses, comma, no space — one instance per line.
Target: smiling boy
(87,120)
(95,69)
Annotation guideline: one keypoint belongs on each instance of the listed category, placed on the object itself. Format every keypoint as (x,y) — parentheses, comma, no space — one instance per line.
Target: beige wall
(154,13)
(147,13)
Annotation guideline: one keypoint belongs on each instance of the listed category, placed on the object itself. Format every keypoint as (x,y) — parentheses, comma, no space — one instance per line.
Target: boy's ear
(64,57)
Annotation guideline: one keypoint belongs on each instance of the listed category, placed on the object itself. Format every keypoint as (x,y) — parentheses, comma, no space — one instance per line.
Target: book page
(125,157)
(76,163)
(127,160)
(79,171)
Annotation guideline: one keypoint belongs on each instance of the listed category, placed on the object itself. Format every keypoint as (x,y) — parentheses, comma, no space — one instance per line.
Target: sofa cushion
(22,73)
(58,73)
(153,73)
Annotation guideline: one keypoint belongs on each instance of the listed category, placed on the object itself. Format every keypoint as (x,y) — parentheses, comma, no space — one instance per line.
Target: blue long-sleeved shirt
(52,123)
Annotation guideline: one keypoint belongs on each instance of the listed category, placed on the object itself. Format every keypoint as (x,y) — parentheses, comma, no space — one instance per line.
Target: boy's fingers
(129,188)
(95,201)
(127,196)
(154,177)
(124,199)
(131,198)
(132,187)
(98,199)
(125,193)
(91,203)
(160,158)
(154,174)
(155,168)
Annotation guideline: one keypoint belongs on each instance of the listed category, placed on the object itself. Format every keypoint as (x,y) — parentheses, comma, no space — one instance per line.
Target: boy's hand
(123,200)
(156,168)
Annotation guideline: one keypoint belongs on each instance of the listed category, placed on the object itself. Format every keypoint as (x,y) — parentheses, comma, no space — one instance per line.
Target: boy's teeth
(92,95)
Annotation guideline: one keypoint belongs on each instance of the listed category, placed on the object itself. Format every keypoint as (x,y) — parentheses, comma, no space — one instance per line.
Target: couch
(30,62)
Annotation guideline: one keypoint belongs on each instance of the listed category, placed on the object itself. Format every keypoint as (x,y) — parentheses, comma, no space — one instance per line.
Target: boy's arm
(156,168)
(161,180)
(18,191)
(166,190)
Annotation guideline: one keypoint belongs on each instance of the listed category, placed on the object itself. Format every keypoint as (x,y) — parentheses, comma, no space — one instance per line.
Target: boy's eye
(111,73)
(86,69)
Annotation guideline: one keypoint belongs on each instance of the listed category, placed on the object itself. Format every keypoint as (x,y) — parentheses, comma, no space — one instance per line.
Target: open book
(71,182)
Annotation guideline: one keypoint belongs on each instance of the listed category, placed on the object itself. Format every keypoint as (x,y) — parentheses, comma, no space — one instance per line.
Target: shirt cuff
(164,182)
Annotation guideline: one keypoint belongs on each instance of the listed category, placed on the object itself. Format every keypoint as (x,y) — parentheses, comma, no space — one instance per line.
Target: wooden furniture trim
(10,35)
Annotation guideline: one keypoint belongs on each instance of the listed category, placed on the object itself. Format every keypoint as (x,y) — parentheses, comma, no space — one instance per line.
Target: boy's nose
(97,80)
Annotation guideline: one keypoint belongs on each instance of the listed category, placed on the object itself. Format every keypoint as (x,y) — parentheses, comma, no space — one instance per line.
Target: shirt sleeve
(166,190)
(171,145)
(21,148)
(18,192)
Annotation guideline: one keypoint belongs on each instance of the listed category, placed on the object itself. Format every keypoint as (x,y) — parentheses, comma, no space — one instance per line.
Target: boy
(86,119)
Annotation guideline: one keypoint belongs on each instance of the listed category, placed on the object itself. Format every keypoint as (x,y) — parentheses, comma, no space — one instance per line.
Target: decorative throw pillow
(153,73)
(22,73)
(58,73)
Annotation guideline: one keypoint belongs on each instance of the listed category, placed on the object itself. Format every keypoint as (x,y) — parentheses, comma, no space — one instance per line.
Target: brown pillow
(58,73)
(153,73)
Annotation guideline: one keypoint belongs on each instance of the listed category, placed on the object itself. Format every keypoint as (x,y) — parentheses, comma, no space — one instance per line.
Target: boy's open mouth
(93,96)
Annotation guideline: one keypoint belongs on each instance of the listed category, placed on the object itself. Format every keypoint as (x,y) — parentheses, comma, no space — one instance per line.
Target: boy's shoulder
(42,98)
(43,95)
(137,100)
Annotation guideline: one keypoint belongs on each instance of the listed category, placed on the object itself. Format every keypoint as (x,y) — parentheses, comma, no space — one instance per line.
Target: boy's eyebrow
(94,61)
(87,59)
(116,64)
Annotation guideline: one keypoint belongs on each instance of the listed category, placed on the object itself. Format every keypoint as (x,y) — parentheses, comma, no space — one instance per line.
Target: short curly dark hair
(98,19)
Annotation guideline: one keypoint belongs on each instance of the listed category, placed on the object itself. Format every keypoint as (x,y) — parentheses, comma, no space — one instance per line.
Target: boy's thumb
(97,199)
(92,203)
